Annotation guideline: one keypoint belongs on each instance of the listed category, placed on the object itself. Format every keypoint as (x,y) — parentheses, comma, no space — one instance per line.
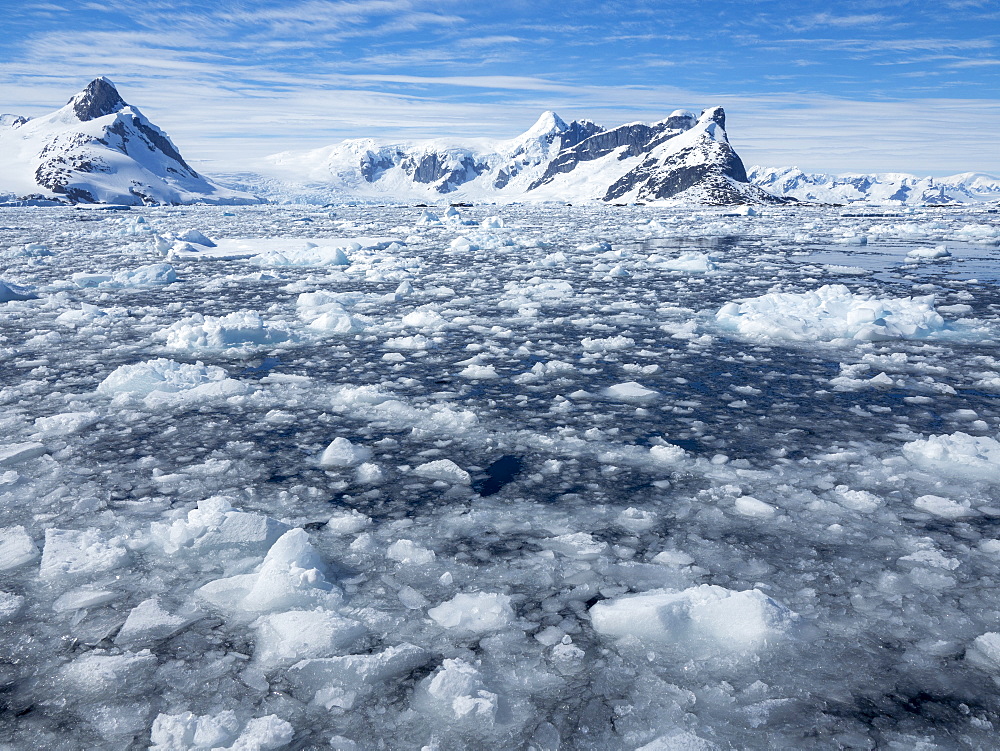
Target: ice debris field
(542,477)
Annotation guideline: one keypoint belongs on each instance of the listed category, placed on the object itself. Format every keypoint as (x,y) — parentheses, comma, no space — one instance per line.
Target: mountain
(893,188)
(681,158)
(100,149)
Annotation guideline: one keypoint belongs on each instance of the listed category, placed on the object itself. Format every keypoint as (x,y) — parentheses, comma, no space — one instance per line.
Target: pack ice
(543,477)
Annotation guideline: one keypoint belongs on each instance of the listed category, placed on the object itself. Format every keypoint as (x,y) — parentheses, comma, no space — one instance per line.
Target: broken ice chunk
(445,470)
(16,453)
(958,455)
(946,508)
(579,545)
(630,392)
(295,635)
(98,675)
(291,576)
(409,553)
(984,653)
(16,548)
(750,506)
(832,312)
(477,613)
(216,526)
(188,731)
(348,522)
(10,605)
(162,381)
(457,692)
(78,599)
(149,623)
(342,453)
(71,553)
(339,681)
(10,292)
(704,619)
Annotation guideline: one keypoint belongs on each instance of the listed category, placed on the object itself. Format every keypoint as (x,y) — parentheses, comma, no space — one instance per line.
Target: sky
(873,86)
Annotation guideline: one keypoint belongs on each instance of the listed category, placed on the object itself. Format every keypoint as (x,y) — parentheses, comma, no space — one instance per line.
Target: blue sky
(882,85)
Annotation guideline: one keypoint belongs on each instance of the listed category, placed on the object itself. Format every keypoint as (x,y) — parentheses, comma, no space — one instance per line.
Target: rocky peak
(100,98)
(549,124)
(716,115)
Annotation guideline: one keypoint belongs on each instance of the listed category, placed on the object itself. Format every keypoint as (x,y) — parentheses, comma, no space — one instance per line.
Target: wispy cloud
(821,20)
(983,62)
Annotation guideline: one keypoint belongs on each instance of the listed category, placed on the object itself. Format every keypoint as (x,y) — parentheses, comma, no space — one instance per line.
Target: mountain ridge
(683,157)
(892,188)
(97,148)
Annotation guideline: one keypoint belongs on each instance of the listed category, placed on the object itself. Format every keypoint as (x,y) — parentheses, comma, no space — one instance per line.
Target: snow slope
(99,149)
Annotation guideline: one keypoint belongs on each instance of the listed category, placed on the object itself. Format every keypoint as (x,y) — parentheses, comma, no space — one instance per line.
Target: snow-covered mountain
(888,188)
(99,149)
(683,157)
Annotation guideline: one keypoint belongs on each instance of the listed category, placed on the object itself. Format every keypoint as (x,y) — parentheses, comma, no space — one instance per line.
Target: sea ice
(705,619)
(445,470)
(293,635)
(291,576)
(958,455)
(222,732)
(237,330)
(830,313)
(478,613)
(342,453)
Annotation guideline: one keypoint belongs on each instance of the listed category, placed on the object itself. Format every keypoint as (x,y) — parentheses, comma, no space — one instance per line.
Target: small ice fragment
(706,617)
(15,453)
(750,506)
(342,453)
(477,613)
(16,547)
(946,508)
(445,470)
(409,553)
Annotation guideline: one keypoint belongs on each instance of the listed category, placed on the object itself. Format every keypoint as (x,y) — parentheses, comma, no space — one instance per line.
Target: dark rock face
(637,139)
(373,165)
(578,132)
(711,166)
(100,98)
(433,168)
